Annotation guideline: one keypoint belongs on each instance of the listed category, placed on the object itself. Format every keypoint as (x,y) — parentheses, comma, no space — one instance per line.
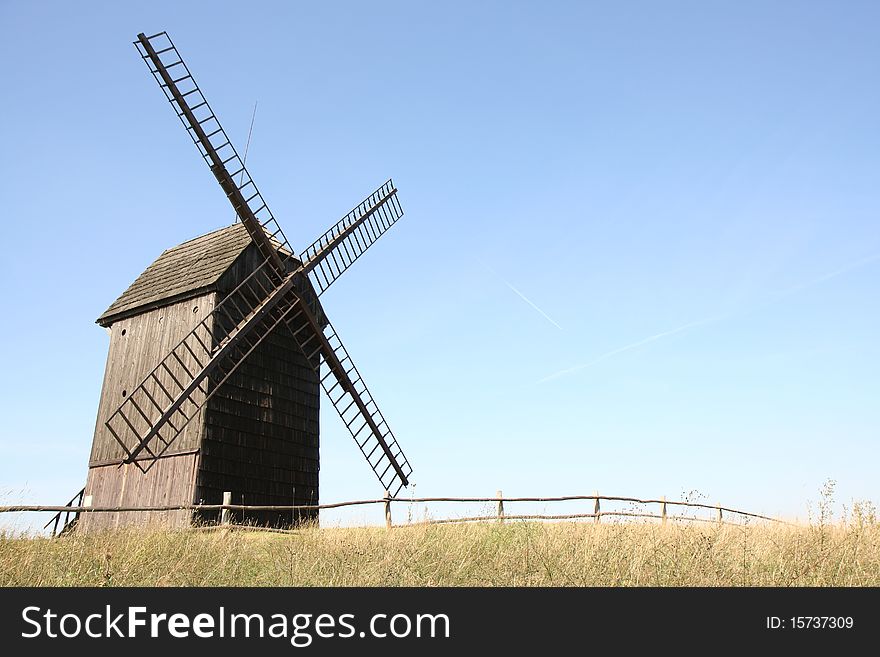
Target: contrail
(633,345)
(780,295)
(833,274)
(522,296)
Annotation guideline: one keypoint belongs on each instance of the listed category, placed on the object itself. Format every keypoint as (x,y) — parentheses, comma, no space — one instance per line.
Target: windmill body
(257,436)
(218,349)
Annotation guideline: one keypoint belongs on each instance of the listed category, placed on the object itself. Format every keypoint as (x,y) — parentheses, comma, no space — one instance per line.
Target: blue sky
(640,252)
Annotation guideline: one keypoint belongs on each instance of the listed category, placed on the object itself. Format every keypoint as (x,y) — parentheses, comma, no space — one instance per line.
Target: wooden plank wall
(261,427)
(137,344)
(169,482)
(257,437)
(261,434)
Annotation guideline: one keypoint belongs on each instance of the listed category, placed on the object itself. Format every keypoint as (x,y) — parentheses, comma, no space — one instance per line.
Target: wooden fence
(226,509)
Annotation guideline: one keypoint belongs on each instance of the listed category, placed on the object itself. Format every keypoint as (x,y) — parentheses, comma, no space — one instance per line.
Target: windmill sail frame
(277,292)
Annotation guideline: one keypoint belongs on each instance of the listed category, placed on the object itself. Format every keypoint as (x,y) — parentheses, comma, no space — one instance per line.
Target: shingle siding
(257,436)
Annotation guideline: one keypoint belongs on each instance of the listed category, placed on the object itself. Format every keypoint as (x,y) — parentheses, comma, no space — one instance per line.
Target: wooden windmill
(226,336)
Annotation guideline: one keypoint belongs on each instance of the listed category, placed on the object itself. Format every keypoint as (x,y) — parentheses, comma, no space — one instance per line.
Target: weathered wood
(536,516)
(169,483)
(663,509)
(387,500)
(261,428)
(596,508)
(97,464)
(239,507)
(217,162)
(342,376)
(500,507)
(136,345)
(225,513)
(186,271)
(719,518)
(607,498)
(337,505)
(85,508)
(569,516)
(257,435)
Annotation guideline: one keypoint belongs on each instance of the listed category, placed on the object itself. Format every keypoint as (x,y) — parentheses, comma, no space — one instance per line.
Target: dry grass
(490,554)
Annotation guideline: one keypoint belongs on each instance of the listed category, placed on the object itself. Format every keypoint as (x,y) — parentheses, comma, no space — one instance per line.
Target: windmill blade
(161,406)
(352,399)
(277,293)
(336,250)
(157,410)
(328,256)
(215,147)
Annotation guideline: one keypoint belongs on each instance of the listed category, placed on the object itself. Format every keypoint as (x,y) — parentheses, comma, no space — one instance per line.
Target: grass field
(490,554)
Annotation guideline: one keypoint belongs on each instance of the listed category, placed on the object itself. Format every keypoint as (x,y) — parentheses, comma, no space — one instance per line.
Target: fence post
(596,508)
(226,514)
(387,499)
(663,510)
(500,506)
(718,506)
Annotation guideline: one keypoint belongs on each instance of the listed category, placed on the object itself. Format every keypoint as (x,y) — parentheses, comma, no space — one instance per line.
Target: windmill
(257,296)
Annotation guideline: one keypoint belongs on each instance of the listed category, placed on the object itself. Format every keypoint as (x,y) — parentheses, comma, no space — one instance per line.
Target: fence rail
(226,509)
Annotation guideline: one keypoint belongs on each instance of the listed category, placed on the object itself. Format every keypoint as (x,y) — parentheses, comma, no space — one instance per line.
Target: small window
(124,393)
(123,331)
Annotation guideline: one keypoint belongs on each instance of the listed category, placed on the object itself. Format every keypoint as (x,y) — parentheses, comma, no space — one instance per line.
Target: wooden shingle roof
(188,269)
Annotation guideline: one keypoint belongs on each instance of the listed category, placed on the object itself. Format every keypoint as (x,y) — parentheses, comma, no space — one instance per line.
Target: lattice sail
(157,410)
(352,399)
(215,147)
(336,250)
(276,294)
